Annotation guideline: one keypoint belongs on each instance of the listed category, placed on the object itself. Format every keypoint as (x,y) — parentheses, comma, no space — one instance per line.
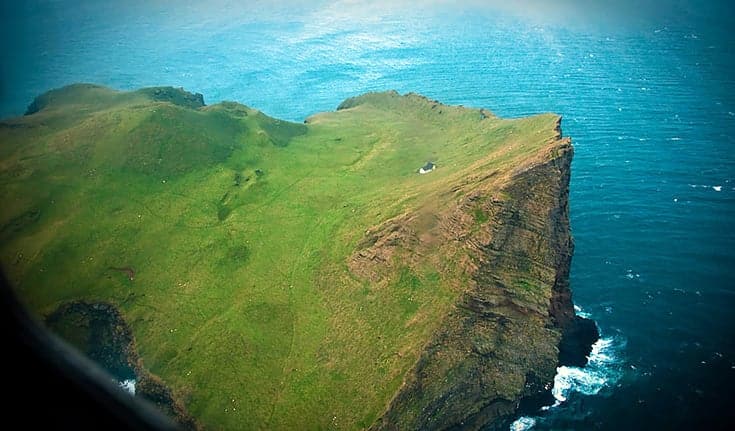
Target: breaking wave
(599,372)
(128,385)
(523,423)
(602,370)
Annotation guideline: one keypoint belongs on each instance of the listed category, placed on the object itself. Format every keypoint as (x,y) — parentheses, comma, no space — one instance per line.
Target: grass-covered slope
(279,275)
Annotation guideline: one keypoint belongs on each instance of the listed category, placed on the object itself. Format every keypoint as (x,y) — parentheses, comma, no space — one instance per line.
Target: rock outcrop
(515,323)
(99,330)
(284,276)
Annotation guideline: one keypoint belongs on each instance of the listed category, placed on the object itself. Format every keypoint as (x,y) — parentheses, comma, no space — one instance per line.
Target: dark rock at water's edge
(498,351)
(576,342)
(53,386)
(574,350)
(99,330)
(94,329)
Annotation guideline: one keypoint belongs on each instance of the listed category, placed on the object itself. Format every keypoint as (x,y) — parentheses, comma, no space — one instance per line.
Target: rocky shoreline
(99,330)
(498,351)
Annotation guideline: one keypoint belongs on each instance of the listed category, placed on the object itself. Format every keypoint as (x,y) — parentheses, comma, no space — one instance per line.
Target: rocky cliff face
(99,331)
(397,300)
(502,341)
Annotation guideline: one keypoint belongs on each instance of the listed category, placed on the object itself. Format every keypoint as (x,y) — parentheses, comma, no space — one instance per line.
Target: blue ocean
(646,91)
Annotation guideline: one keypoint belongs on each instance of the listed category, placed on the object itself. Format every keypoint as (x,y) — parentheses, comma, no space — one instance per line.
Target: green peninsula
(279,275)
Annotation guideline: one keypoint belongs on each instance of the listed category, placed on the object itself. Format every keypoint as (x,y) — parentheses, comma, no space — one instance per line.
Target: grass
(239,228)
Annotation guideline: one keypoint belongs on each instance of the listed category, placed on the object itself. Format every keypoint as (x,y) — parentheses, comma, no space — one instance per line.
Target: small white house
(428,167)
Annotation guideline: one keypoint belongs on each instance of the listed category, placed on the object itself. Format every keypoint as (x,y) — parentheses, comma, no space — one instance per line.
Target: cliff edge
(397,263)
(515,323)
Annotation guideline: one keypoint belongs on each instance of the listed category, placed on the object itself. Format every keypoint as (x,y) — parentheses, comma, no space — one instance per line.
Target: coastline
(498,351)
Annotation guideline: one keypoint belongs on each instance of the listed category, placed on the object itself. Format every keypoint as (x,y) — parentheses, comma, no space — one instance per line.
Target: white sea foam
(581,313)
(717,188)
(589,380)
(128,385)
(523,423)
(602,370)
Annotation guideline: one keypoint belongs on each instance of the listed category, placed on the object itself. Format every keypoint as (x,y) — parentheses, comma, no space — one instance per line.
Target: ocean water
(646,90)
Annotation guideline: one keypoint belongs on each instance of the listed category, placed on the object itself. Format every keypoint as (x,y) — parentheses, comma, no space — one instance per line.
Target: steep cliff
(280,275)
(501,341)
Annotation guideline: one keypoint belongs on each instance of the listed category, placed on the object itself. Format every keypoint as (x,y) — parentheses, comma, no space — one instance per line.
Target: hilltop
(266,274)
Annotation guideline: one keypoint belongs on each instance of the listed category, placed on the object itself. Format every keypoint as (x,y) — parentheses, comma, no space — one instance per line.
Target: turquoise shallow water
(648,95)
